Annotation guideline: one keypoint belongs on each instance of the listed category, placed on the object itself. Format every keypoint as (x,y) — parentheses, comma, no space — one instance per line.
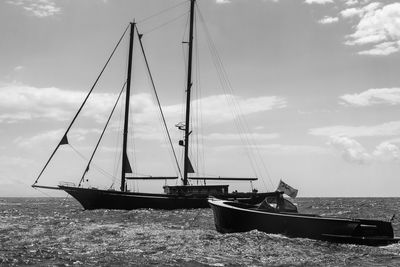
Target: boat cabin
(196,189)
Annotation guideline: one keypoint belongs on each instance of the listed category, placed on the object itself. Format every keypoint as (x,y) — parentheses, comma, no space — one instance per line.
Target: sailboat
(182,196)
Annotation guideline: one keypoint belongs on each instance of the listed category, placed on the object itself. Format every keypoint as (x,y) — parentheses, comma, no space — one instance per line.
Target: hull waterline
(232,217)
(91,198)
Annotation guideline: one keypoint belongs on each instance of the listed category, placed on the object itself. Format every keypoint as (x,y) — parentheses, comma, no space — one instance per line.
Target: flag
(287,189)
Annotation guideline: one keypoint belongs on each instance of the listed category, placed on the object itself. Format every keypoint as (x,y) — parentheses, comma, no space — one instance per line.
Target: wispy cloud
(379,27)
(223,1)
(53,136)
(23,102)
(233,137)
(351,2)
(390,96)
(19,103)
(321,2)
(219,108)
(293,149)
(38,8)
(18,68)
(328,20)
(385,129)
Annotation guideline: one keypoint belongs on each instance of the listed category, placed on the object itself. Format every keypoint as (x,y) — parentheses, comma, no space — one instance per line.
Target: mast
(125,162)
(188,89)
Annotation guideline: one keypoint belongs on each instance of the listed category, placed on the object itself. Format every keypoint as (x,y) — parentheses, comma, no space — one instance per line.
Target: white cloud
(49,136)
(15,161)
(382,49)
(18,101)
(38,8)
(18,68)
(53,136)
(329,20)
(218,108)
(318,1)
(387,151)
(293,149)
(350,149)
(230,136)
(351,2)
(223,1)
(390,96)
(385,129)
(353,152)
(351,12)
(22,102)
(379,27)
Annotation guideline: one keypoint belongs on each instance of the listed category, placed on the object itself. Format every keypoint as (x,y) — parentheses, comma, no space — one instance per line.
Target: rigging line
(84,102)
(241,123)
(97,167)
(200,102)
(158,101)
(225,84)
(166,23)
(47,195)
(117,153)
(101,136)
(161,12)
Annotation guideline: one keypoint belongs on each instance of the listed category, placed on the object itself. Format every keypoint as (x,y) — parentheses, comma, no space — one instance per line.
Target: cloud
(321,2)
(351,2)
(223,108)
(387,151)
(382,49)
(53,136)
(351,150)
(38,8)
(379,28)
(389,96)
(351,12)
(18,68)
(230,136)
(223,1)
(22,102)
(385,129)
(329,20)
(293,149)
(15,161)
(279,149)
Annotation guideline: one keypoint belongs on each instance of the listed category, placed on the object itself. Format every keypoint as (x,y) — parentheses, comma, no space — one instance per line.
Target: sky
(306,91)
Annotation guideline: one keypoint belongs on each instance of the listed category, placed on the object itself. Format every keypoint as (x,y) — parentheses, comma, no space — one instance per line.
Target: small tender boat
(278,215)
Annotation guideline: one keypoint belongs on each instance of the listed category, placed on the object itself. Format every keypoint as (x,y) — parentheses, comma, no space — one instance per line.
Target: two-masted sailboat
(174,197)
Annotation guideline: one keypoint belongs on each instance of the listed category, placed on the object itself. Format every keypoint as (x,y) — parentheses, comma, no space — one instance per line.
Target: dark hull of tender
(91,198)
(236,217)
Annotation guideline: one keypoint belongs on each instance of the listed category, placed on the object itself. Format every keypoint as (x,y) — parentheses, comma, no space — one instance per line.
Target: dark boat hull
(91,198)
(236,217)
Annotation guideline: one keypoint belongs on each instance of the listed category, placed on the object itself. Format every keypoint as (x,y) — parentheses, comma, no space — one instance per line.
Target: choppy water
(57,232)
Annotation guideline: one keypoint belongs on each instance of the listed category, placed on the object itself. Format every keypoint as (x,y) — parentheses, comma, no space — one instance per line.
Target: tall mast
(125,162)
(188,89)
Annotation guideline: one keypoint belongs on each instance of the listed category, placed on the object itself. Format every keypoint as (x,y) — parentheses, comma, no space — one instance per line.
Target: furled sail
(128,168)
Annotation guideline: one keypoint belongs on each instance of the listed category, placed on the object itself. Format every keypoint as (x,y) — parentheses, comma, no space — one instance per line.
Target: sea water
(58,232)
